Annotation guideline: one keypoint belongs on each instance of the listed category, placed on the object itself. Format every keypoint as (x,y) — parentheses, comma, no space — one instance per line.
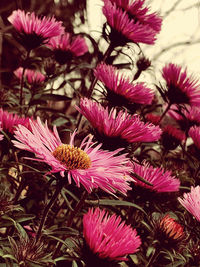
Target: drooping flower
(130,25)
(86,165)
(161,180)
(66,47)
(181,88)
(32,30)
(120,91)
(169,232)
(32,76)
(9,121)
(191,201)
(108,237)
(194,133)
(118,128)
(172,137)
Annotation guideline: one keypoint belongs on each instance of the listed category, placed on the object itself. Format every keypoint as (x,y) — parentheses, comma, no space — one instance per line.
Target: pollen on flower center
(72,157)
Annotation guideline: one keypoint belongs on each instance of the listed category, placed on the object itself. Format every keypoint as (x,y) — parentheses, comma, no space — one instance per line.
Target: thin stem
(22,84)
(164,113)
(153,257)
(94,81)
(59,187)
(72,215)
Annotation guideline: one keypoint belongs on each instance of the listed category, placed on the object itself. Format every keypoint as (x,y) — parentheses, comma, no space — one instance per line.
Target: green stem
(94,81)
(22,84)
(70,221)
(59,187)
(165,112)
(153,258)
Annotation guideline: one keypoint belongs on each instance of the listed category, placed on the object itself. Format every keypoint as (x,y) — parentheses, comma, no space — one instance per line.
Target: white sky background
(182,24)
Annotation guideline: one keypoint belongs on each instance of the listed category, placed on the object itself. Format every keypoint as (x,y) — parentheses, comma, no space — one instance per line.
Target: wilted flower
(172,137)
(32,30)
(169,232)
(86,164)
(191,201)
(9,121)
(66,47)
(130,23)
(108,237)
(118,128)
(32,76)
(120,91)
(181,88)
(27,251)
(161,180)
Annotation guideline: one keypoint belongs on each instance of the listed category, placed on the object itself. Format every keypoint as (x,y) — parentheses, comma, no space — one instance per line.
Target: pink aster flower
(86,164)
(194,133)
(181,88)
(153,118)
(32,76)
(9,121)
(138,12)
(108,236)
(120,125)
(162,180)
(191,201)
(119,89)
(66,47)
(128,28)
(34,31)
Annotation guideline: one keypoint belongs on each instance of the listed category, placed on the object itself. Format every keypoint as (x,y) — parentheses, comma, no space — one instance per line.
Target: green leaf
(74,264)
(111,202)
(52,97)
(60,121)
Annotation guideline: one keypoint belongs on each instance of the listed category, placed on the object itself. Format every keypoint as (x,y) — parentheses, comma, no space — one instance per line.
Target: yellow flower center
(72,157)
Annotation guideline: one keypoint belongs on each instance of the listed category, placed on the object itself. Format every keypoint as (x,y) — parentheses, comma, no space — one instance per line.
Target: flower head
(191,200)
(86,165)
(32,76)
(108,237)
(181,88)
(194,133)
(153,118)
(120,91)
(128,24)
(162,180)
(172,137)
(34,31)
(66,47)
(169,232)
(9,121)
(118,128)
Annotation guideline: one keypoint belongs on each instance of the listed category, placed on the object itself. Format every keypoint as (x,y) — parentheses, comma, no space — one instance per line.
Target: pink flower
(138,12)
(153,118)
(108,236)
(129,28)
(9,121)
(191,201)
(194,133)
(181,88)
(86,164)
(66,47)
(187,117)
(32,76)
(119,89)
(120,125)
(161,180)
(33,30)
